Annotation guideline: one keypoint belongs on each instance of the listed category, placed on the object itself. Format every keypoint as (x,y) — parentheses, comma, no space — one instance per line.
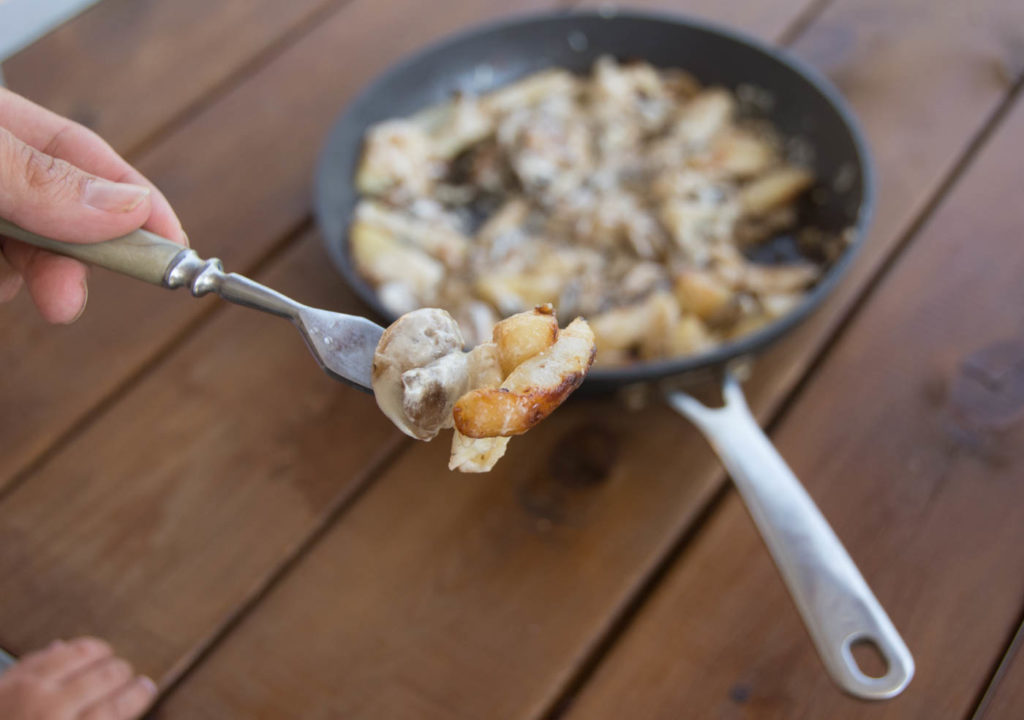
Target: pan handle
(836,603)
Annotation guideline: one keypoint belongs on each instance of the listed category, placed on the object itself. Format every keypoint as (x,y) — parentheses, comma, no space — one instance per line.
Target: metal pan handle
(836,603)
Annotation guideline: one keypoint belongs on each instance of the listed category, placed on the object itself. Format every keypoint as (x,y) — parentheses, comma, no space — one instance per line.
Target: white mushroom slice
(415,340)
(429,393)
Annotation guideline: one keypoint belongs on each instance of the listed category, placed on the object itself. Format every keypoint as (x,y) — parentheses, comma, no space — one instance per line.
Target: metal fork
(342,344)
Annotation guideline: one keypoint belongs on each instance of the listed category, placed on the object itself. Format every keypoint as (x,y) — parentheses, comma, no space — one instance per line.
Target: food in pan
(632,196)
(425,382)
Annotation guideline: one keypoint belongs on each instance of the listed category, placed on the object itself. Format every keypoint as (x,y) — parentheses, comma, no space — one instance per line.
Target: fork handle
(154,259)
(139,254)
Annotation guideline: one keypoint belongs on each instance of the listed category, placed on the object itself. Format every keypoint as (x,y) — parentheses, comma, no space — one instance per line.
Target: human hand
(61,180)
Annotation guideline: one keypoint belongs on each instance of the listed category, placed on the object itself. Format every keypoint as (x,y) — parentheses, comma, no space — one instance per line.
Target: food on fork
(424,381)
(632,196)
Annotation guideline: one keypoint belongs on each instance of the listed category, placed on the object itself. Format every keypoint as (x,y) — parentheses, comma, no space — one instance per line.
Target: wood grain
(127,67)
(239,175)
(442,597)
(1005,697)
(163,517)
(766,19)
(154,525)
(920,479)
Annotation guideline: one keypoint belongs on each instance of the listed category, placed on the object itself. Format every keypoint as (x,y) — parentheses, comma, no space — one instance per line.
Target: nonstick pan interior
(802,106)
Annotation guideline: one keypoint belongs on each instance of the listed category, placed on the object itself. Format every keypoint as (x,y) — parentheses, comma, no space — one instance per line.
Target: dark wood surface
(266,545)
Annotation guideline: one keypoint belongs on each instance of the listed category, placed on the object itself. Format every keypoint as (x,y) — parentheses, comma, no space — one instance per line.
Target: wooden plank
(228,456)
(239,175)
(766,19)
(920,479)
(1004,699)
(444,597)
(157,523)
(127,67)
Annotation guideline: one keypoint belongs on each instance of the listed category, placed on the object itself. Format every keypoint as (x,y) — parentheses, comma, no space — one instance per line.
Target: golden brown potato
(708,112)
(771,279)
(522,336)
(532,391)
(689,336)
(738,153)
(774,189)
(397,154)
(383,258)
(703,293)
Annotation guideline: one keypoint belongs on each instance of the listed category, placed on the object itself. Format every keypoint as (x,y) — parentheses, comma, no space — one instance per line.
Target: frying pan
(836,603)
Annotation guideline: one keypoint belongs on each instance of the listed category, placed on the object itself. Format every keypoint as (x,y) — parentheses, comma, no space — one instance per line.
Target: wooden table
(178,476)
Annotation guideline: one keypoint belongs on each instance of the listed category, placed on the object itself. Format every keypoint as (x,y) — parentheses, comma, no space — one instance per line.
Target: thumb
(52,197)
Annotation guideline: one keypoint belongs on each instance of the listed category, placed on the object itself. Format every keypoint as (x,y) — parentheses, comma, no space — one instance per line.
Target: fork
(342,344)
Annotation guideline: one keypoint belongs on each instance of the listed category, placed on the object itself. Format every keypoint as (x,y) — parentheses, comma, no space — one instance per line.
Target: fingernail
(85,301)
(184,236)
(148,684)
(112,196)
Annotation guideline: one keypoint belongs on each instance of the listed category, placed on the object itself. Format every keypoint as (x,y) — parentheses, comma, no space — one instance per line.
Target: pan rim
(651,371)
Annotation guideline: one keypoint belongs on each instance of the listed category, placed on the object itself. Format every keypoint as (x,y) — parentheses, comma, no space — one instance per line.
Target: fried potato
(515,292)
(532,391)
(476,455)
(689,335)
(773,279)
(531,90)
(774,189)
(397,154)
(522,336)
(623,328)
(479,455)
(738,153)
(455,125)
(432,236)
(703,293)
(703,116)
(383,258)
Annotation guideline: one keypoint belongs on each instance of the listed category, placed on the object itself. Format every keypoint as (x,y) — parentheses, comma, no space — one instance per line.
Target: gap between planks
(132,379)
(270,52)
(998,676)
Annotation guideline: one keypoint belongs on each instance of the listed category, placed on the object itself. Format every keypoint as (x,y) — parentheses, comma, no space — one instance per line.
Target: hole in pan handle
(838,607)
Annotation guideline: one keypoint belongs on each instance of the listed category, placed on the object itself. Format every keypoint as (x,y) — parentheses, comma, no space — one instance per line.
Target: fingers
(61,138)
(57,284)
(62,659)
(96,681)
(125,703)
(52,197)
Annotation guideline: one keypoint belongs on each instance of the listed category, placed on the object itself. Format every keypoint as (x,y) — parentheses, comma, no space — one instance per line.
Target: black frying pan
(838,607)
